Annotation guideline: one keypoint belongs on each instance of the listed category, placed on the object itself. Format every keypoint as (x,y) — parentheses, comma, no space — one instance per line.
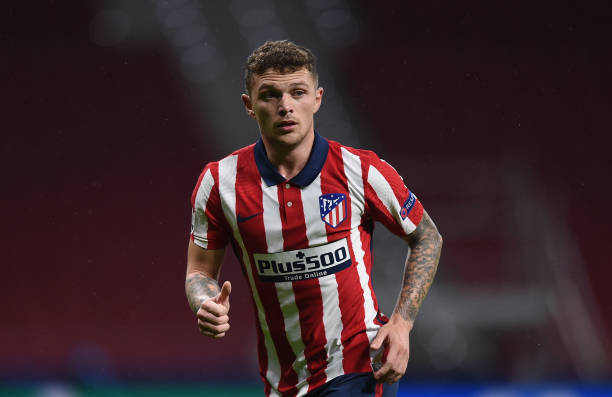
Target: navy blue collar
(313,167)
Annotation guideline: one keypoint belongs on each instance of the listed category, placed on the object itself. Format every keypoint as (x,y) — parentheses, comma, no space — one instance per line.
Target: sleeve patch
(407,207)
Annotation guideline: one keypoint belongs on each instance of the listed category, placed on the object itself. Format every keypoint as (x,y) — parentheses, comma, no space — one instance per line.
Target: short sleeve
(208,226)
(388,200)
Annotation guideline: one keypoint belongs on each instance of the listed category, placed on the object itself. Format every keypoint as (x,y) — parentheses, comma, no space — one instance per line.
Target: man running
(299,212)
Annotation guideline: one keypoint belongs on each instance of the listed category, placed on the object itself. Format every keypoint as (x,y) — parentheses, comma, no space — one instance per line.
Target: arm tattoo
(198,288)
(425,246)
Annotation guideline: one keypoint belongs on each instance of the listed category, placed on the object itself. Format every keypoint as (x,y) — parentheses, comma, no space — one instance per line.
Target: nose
(285,105)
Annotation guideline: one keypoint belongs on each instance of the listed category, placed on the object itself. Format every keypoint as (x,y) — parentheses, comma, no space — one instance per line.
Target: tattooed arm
(209,302)
(425,245)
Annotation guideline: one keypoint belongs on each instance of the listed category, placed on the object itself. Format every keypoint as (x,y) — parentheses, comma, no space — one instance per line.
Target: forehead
(275,78)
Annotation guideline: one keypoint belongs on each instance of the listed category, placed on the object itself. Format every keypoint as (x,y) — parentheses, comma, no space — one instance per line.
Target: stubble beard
(285,142)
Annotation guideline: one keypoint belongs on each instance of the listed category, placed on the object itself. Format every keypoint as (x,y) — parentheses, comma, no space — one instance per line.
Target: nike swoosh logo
(246,218)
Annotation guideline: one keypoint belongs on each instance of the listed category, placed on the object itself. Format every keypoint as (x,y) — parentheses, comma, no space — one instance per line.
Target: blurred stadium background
(495,114)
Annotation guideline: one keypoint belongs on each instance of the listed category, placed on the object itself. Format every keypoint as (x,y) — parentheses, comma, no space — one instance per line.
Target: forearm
(421,266)
(198,288)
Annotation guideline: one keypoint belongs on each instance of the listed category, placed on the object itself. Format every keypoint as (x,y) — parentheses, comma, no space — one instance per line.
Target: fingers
(393,368)
(378,340)
(376,349)
(223,297)
(213,320)
(213,330)
(394,358)
(212,307)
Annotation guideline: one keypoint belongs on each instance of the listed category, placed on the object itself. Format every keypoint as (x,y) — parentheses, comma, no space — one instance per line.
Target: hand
(393,337)
(212,315)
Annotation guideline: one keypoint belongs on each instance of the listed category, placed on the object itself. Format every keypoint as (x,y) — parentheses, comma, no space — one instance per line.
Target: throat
(288,171)
(290,161)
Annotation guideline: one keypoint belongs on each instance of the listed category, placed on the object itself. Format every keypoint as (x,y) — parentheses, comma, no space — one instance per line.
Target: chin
(293,138)
(287,138)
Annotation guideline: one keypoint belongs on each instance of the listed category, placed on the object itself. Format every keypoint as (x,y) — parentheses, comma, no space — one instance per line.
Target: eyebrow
(268,86)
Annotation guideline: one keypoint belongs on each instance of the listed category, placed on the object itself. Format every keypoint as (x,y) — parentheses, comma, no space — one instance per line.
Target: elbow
(439,240)
(436,241)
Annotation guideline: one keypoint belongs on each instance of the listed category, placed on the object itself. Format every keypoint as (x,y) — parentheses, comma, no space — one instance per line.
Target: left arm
(425,244)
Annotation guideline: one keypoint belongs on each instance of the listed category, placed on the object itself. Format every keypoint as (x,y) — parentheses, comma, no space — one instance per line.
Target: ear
(248,105)
(318,98)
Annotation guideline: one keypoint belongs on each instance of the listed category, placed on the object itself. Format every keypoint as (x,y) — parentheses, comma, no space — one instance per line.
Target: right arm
(207,300)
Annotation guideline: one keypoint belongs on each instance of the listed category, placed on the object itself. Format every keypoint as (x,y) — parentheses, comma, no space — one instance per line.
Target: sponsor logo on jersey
(241,219)
(407,207)
(304,264)
(333,208)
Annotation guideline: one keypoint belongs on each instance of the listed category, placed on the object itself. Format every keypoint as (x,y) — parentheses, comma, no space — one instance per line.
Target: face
(284,106)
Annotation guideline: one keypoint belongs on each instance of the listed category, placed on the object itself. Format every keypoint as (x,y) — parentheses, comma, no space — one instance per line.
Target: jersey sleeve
(208,225)
(388,200)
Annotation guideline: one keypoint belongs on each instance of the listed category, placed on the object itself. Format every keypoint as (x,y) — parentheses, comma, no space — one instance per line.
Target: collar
(313,167)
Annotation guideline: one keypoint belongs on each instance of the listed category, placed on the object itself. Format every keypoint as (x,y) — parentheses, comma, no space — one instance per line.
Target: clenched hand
(212,315)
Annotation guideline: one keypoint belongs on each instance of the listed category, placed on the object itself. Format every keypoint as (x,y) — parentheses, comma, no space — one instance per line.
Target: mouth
(285,125)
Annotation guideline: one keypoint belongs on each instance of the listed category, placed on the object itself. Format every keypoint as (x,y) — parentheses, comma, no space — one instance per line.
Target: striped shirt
(304,245)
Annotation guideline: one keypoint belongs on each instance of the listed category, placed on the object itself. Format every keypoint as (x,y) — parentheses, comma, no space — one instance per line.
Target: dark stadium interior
(496,117)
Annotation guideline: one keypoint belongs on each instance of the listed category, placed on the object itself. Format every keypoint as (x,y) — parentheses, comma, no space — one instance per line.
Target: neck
(290,160)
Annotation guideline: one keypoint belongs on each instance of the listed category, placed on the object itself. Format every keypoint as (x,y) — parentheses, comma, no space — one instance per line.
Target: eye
(265,95)
(299,93)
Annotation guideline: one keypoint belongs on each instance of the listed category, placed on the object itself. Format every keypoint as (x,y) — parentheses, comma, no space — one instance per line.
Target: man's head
(283,94)
(282,56)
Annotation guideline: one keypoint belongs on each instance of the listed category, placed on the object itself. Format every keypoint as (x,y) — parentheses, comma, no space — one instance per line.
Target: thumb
(223,297)
(378,340)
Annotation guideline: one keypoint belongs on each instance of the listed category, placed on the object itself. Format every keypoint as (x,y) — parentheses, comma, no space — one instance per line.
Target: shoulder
(364,155)
(213,166)
(242,151)
(216,170)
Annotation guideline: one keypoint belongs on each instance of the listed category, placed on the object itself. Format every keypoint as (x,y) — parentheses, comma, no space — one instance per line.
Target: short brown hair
(282,56)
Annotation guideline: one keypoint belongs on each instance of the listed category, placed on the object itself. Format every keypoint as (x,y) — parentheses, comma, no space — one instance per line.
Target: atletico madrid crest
(333,208)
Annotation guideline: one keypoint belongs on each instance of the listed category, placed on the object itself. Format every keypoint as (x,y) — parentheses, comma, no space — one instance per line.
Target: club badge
(333,208)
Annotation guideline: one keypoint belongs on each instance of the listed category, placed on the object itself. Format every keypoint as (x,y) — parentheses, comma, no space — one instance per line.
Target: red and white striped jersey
(304,245)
